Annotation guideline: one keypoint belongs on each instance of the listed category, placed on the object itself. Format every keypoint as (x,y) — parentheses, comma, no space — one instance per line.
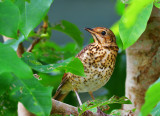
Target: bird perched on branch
(98,59)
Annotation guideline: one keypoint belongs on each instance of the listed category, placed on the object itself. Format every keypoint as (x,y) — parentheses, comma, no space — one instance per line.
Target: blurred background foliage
(60,37)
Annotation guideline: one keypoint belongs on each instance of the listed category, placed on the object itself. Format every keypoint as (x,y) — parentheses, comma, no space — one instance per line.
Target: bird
(98,59)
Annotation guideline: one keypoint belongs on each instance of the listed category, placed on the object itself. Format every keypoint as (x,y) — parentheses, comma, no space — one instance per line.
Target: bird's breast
(98,65)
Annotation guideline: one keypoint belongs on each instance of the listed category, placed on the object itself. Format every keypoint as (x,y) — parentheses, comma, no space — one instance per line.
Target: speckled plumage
(98,60)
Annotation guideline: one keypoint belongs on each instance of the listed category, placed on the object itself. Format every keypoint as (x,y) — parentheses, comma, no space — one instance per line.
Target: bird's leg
(99,111)
(79,100)
(86,113)
(91,94)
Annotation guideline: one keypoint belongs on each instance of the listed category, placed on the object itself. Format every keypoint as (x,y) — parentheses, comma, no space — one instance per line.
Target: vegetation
(48,61)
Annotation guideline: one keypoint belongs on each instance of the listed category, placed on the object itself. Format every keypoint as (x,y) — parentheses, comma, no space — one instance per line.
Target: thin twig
(37,40)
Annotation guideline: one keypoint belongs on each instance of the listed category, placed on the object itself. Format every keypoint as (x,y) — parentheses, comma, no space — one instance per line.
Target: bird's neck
(111,46)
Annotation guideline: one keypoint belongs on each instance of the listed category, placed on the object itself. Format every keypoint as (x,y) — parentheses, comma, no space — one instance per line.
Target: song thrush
(98,59)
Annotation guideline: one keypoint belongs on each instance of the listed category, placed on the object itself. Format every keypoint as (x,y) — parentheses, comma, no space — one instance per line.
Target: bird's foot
(87,113)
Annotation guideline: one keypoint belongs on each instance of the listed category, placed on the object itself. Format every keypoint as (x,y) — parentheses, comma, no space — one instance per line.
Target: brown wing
(64,79)
(59,95)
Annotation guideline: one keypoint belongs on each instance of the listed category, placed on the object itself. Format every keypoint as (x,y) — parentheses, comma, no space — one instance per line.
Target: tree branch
(63,109)
(37,40)
(57,108)
(143,59)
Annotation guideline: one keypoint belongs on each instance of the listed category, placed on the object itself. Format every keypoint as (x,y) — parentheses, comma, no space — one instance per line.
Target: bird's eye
(103,32)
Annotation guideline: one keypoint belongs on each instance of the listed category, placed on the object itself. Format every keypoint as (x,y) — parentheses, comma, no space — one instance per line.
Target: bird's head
(103,36)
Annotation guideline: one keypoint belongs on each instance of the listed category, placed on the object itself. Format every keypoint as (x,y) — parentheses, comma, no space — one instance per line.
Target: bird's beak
(90,30)
(94,34)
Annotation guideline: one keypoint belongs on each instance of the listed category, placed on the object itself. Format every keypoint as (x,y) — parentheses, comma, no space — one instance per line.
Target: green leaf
(71,30)
(115,29)
(120,7)
(14,43)
(32,13)
(50,80)
(157,3)
(134,21)
(152,97)
(72,65)
(11,63)
(156,110)
(25,88)
(76,67)
(49,52)
(8,106)
(35,97)
(9,19)
(34,64)
(5,81)
(96,103)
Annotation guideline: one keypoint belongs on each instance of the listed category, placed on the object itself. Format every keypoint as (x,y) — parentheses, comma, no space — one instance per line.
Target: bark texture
(143,62)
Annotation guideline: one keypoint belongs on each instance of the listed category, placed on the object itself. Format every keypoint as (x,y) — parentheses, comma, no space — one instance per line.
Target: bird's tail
(61,92)
(59,95)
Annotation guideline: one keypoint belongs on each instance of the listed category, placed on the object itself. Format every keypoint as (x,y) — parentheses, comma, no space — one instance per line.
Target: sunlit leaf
(9,19)
(152,98)
(96,103)
(126,1)
(115,29)
(120,7)
(71,30)
(134,22)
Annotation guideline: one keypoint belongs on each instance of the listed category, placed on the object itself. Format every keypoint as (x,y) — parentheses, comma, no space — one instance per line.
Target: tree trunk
(143,63)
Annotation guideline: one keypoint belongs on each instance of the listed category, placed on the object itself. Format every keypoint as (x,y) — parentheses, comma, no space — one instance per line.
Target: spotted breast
(98,65)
